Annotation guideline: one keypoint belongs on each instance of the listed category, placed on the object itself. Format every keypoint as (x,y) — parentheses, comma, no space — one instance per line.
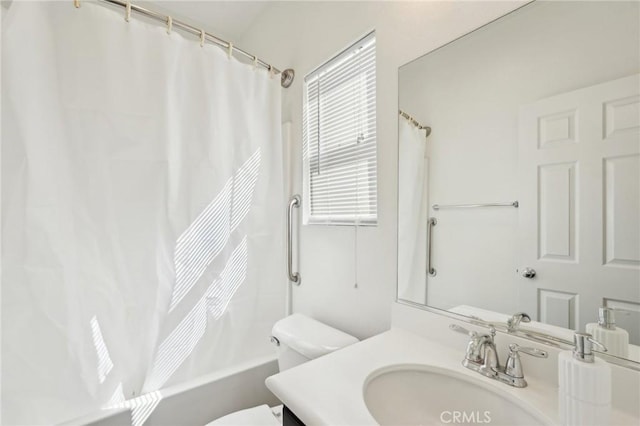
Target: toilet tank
(300,339)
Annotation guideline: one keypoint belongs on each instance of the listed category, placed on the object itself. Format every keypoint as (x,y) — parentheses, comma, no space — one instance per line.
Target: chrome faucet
(482,357)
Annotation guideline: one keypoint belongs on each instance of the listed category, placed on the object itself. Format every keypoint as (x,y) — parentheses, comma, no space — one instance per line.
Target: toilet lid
(256,416)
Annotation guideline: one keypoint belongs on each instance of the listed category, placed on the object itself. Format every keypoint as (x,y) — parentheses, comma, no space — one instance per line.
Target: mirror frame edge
(543,339)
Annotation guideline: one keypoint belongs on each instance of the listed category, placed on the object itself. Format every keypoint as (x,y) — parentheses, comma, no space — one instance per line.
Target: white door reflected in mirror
(579,162)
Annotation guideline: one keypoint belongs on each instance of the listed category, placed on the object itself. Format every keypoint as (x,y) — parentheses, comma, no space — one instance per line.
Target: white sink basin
(424,395)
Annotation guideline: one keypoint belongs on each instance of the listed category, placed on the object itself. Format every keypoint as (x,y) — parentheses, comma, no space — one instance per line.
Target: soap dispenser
(584,384)
(605,331)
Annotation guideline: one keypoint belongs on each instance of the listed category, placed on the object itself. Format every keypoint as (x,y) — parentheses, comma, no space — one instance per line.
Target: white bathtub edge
(266,365)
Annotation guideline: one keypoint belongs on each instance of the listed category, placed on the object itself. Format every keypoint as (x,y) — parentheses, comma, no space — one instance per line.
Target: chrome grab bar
(432,222)
(293,276)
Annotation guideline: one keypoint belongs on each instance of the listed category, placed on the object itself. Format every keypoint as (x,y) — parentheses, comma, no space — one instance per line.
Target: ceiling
(227,19)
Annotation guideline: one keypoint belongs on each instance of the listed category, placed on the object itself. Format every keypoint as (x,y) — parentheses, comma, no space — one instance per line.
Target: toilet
(298,339)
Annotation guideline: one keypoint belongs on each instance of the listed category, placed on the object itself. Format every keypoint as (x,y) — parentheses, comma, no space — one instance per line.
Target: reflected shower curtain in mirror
(412,212)
(142,210)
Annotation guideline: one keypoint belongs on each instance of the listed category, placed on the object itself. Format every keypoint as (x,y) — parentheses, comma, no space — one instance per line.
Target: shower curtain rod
(413,121)
(286,76)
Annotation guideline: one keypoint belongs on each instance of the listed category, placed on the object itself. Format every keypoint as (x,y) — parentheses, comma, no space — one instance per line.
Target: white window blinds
(339,138)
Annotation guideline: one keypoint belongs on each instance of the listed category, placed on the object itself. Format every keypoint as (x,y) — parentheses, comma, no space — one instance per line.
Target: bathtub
(198,401)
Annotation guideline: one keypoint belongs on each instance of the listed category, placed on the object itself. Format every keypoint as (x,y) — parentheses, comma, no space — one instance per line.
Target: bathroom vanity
(414,371)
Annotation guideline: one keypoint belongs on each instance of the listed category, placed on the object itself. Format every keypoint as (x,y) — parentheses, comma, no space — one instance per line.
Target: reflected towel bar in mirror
(468,206)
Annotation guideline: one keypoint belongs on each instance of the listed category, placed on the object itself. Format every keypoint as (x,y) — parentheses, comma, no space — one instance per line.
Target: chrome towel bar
(469,206)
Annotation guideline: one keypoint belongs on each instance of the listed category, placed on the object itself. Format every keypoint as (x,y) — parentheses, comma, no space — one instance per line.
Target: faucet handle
(538,353)
(513,367)
(473,347)
(513,323)
(459,329)
(474,335)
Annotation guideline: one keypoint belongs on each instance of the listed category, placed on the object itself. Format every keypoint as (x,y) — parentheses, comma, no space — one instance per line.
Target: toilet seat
(261,415)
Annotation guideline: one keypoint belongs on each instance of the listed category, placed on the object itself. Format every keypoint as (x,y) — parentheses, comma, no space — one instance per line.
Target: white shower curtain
(412,212)
(142,210)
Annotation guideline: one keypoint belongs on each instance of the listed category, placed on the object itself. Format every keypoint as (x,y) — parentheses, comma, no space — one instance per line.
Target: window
(339,138)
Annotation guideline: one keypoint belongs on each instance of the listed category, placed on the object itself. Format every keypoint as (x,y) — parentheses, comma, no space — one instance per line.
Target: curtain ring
(271,73)
(255,62)
(202,33)
(169,24)
(76,3)
(127,15)
(230,50)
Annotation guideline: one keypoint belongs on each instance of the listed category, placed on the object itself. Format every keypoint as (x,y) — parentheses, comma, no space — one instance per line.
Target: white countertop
(329,390)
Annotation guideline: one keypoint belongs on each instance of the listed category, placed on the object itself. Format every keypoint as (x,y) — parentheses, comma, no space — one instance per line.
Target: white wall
(302,35)
(470,93)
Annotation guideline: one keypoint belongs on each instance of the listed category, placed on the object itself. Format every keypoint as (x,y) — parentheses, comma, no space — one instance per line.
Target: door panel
(556,231)
(622,206)
(579,218)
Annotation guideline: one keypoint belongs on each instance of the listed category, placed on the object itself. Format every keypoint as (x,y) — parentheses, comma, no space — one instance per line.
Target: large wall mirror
(519,172)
